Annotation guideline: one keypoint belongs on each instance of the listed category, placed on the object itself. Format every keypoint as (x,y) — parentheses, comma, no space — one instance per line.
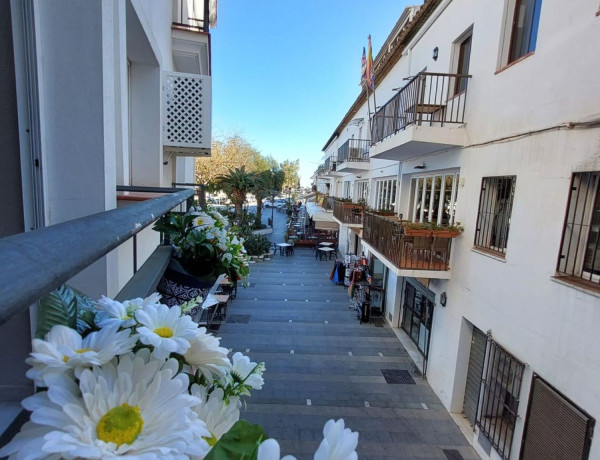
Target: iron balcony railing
(328,203)
(354,150)
(43,259)
(191,15)
(428,98)
(405,252)
(348,213)
(330,164)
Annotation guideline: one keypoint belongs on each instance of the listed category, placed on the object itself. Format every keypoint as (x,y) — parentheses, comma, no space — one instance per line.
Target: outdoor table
(325,251)
(282,247)
(325,243)
(223,300)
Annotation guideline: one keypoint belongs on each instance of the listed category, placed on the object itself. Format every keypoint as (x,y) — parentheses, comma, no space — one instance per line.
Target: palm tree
(236,184)
(268,183)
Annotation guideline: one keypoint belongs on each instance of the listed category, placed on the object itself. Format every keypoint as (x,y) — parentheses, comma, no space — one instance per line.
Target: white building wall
(548,325)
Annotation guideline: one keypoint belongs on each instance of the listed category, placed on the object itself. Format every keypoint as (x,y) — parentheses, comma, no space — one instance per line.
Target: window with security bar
(495,209)
(385,195)
(434,198)
(499,397)
(579,256)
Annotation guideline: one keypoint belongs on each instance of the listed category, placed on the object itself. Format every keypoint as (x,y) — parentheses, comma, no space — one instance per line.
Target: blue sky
(285,72)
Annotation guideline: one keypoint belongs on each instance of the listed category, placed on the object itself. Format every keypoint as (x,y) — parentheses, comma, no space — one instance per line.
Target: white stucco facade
(535,120)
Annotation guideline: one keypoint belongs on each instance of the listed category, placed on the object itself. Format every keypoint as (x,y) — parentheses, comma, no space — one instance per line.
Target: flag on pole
(370,75)
(363,76)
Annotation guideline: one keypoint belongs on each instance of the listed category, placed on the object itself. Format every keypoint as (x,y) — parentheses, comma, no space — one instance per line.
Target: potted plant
(203,245)
(428,229)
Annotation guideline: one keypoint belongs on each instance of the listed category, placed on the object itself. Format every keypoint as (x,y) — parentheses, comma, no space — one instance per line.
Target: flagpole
(369,109)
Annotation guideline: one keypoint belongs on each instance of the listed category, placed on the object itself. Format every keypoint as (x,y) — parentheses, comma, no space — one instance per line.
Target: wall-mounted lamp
(443,299)
(423,166)
(435,53)
(396,89)
(358,177)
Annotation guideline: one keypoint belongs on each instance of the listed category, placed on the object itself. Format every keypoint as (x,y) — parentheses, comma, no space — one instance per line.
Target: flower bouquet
(139,380)
(204,246)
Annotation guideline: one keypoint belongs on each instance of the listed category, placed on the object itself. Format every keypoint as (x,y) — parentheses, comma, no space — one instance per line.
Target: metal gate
(474,373)
(555,428)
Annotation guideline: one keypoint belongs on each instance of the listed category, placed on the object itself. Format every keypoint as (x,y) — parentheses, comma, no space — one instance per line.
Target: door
(474,372)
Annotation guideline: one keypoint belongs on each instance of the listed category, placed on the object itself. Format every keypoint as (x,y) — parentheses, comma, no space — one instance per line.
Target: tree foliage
(290,169)
(236,184)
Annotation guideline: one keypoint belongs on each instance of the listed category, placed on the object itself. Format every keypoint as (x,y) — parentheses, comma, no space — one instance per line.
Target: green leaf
(239,443)
(57,307)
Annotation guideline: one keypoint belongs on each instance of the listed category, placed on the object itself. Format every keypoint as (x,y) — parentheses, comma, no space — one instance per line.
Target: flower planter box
(417,232)
(445,233)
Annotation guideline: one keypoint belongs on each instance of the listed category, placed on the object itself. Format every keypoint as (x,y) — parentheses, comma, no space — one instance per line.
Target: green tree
(268,183)
(236,184)
(290,169)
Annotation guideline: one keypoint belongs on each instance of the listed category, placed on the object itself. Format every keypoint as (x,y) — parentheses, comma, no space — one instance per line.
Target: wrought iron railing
(192,15)
(328,203)
(406,252)
(354,150)
(330,164)
(43,259)
(348,213)
(428,98)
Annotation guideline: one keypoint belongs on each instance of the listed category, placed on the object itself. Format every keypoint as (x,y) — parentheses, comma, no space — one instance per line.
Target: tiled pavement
(321,364)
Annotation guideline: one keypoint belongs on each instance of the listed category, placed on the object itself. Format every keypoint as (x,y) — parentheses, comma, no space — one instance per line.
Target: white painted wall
(548,325)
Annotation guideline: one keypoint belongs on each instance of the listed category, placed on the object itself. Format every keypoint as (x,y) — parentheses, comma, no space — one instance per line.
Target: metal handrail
(37,262)
(354,150)
(428,98)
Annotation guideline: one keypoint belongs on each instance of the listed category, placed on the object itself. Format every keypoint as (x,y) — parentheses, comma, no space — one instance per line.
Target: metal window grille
(580,252)
(555,427)
(187,114)
(495,208)
(500,389)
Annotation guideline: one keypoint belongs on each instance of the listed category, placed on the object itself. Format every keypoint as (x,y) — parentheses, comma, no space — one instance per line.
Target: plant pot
(417,232)
(445,233)
(178,286)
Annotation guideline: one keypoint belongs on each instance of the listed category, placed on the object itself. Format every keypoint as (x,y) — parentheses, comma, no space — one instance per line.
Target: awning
(323,220)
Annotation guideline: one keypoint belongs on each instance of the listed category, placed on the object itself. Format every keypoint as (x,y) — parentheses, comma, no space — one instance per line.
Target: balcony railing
(43,259)
(405,252)
(428,98)
(192,16)
(348,213)
(328,203)
(330,164)
(354,150)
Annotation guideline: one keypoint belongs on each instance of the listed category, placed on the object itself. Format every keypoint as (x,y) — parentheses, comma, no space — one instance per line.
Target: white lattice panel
(187,113)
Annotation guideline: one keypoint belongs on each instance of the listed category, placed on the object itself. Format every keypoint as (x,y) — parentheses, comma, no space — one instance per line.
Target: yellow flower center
(81,350)
(121,425)
(211,441)
(165,332)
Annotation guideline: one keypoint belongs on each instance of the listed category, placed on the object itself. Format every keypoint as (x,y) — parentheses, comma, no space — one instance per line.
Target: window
(347,189)
(433,198)
(385,195)
(495,208)
(524,28)
(362,190)
(497,412)
(580,252)
(462,68)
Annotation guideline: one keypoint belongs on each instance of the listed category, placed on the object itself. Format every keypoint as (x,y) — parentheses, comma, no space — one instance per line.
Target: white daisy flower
(165,329)
(339,442)
(202,220)
(246,372)
(219,415)
(133,409)
(207,356)
(113,311)
(269,450)
(64,350)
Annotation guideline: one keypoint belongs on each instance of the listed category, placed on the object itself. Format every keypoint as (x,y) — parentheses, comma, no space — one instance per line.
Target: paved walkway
(321,364)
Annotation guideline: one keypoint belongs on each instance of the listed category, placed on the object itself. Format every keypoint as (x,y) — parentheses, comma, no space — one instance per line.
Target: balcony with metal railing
(413,256)
(347,213)
(331,167)
(425,116)
(353,156)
